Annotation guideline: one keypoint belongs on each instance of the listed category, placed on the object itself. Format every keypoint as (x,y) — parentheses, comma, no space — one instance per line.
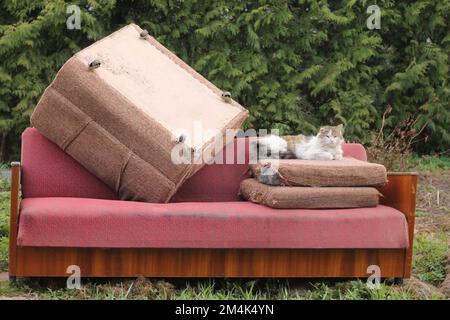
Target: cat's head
(331,136)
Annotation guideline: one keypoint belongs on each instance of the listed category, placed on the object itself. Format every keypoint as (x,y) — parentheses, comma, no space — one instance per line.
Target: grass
(430,248)
(420,214)
(358,290)
(429,163)
(211,289)
(214,289)
(430,253)
(3,253)
(4,227)
(8,290)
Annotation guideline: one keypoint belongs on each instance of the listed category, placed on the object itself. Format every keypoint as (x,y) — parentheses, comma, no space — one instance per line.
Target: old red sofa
(68,217)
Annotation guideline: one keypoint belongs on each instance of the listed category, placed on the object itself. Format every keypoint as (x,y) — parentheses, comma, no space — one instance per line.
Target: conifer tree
(295,65)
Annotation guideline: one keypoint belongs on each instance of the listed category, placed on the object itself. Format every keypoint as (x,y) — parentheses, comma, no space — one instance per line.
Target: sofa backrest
(49,172)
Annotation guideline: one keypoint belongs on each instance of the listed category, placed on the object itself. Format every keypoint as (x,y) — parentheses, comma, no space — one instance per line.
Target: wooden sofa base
(286,263)
(399,193)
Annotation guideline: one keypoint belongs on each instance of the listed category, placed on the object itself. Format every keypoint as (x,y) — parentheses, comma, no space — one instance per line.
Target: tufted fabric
(79,222)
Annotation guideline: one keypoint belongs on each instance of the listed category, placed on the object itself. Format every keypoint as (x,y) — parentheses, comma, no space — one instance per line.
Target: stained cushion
(280,197)
(80,222)
(348,172)
(118,120)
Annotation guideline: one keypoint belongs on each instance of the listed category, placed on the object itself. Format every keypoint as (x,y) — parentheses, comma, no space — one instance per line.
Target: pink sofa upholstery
(65,206)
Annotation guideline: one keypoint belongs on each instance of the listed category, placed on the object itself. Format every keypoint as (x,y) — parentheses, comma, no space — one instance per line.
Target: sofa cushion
(118,120)
(80,222)
(348,172)
(280,197)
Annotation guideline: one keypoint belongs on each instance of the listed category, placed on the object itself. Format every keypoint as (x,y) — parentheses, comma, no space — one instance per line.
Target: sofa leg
(398,281)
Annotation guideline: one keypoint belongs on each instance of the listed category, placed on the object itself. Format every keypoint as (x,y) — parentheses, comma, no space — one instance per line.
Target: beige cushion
(122,120)
(280,197)
(348,172)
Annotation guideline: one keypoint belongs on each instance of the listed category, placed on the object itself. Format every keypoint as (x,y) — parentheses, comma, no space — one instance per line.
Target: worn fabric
(95,223)
(47,171)
(122,120)
(280,197)
(348,172)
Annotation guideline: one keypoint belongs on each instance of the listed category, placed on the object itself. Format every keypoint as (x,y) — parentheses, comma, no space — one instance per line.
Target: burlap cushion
(121,120)
(348,172)
(280,197)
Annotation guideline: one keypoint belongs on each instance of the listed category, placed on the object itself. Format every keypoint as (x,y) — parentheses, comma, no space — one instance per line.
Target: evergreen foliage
(294,64)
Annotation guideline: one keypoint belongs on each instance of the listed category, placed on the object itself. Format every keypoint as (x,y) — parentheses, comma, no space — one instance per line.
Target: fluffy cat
(326,145)
(273,147)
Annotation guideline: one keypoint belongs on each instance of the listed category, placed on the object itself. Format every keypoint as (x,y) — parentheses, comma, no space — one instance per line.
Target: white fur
(320,148)
(274,143)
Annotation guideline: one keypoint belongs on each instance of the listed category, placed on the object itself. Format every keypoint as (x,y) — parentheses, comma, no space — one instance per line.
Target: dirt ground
(433,200)
(433,213)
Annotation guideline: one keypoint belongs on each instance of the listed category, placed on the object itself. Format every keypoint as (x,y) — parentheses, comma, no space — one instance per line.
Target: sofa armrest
(400,193)
(14,216)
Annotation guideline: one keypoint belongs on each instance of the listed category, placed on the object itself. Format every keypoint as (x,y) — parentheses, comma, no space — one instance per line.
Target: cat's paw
(269,176)
(338,157)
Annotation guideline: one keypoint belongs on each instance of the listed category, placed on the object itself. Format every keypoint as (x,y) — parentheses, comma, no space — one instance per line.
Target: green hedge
(294,64)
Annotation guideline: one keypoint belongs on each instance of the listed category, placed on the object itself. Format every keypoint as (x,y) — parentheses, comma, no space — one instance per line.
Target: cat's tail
(271,147)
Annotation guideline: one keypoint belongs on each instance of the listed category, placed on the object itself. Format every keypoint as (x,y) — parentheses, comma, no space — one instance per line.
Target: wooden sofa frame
(399,193)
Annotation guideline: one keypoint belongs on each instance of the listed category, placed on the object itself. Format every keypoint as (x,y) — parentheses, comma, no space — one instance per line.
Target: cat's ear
(340,128)
(323,129)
